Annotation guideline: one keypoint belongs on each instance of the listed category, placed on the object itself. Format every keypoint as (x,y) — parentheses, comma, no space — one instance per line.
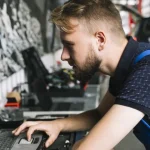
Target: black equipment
(46,85)
(10,142)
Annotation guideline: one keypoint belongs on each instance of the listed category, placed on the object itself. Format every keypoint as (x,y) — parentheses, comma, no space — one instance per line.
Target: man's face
(79,51)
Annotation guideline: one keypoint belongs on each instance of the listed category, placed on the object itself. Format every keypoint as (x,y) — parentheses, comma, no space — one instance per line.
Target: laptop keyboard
(6,139)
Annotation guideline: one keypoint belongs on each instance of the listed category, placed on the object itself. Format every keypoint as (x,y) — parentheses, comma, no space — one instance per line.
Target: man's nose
(65,54)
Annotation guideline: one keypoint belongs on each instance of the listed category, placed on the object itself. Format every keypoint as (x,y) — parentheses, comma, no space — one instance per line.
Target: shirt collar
(126,60)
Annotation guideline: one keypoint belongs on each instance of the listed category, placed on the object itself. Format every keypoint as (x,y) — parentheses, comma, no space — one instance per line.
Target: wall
(7,85)
(24,23)
(20,29)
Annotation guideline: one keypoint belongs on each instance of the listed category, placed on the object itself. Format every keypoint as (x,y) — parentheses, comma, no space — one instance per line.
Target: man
(93,40)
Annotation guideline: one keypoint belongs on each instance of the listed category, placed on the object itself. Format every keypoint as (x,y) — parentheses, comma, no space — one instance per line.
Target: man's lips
(71,64)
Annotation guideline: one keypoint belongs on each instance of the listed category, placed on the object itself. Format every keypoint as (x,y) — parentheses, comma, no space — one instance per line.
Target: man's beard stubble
(90,67)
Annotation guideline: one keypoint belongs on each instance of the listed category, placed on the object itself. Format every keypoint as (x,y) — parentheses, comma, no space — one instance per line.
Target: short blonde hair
(89,11)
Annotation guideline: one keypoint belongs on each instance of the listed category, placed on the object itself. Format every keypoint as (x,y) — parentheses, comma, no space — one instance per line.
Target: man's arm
(106,104)
(80,122)
(112,128)
(84,121)
(87,120)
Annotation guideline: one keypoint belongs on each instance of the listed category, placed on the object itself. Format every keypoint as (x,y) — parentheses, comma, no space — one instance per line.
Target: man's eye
(70,48)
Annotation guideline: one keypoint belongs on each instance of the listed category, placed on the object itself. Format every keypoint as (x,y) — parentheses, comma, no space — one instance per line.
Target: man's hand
(51,128)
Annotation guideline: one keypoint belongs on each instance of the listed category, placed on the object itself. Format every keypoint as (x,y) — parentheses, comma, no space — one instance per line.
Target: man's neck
(113,58)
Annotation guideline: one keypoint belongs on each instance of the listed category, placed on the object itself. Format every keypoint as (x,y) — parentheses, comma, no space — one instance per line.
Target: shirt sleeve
(112,86)
(135,92)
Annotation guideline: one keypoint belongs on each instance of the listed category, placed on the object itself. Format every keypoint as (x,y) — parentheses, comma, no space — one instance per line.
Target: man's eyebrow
(67,42)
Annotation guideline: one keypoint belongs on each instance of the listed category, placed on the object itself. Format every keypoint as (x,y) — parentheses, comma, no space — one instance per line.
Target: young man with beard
(93,39)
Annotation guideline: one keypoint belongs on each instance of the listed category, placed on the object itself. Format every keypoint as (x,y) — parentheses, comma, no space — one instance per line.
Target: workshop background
(25,24)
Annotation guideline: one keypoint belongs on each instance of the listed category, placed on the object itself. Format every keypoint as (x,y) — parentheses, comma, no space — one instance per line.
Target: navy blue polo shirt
(131,83)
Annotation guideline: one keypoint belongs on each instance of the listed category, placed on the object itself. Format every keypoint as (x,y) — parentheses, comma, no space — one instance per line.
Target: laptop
(10,142)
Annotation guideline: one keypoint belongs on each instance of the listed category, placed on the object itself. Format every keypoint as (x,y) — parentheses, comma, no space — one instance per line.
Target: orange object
(15,104)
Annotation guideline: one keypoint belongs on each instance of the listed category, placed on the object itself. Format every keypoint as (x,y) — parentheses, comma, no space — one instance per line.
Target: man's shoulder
(142,46)
(144,59)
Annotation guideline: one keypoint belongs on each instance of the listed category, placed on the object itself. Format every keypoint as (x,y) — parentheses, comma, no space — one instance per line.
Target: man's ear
(101,39)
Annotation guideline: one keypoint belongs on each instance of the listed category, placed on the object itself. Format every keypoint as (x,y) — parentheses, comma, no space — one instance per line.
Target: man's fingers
(33,128)
(19,129)
(14,130)
(50,141)
(30,131)
(23,127)
(40,126)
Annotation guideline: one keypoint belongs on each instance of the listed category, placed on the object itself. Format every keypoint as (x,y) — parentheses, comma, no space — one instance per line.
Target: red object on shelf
(15,104)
